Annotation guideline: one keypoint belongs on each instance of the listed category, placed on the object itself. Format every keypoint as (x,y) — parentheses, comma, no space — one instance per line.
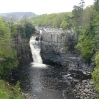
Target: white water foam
(35,50)
(37,65)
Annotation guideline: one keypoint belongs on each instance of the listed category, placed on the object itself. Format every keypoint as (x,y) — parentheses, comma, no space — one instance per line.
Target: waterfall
(35,50)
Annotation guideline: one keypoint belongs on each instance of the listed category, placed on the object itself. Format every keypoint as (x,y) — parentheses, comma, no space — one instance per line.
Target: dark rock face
(57,45)
(23,49)
(24,57)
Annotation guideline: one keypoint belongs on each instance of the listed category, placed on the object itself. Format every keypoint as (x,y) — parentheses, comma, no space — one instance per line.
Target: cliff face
(58,45)
(23,55)
(58,41)
(23,49)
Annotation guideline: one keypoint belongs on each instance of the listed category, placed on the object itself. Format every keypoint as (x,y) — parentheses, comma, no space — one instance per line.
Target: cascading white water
(35,50)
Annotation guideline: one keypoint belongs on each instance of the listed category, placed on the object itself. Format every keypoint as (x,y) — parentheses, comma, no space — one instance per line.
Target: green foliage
(8,54)
(88,33)
(85,48)
(58,20)
(77,16)
(7,65)
(13,29)
(96,5)
(68,23)
(29,29)
(63,25)
(10,92)
(26,29)
(86,23)
(96,78)
(4,28)
(16,92)
(21,30)
(7,51)
(95,74)
(4,95)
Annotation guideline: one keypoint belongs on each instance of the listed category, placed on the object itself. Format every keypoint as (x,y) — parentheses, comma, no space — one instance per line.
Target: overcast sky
(39,6)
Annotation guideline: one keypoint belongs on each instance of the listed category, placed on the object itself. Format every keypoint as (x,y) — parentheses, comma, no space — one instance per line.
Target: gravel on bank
(85,90)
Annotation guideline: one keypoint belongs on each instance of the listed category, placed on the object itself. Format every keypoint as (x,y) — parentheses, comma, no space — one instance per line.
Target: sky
(40,6)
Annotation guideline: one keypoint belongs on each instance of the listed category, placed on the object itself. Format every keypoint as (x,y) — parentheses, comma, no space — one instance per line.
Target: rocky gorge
(58,46)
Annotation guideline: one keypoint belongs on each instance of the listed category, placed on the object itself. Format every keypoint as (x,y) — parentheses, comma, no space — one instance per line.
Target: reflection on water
(45,82)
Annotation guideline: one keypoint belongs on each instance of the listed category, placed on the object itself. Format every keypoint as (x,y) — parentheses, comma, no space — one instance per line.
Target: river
(41,81)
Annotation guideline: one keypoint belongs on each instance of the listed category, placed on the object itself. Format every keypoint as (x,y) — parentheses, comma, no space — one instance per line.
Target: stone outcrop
(23,49)
(58,41)
(58,46)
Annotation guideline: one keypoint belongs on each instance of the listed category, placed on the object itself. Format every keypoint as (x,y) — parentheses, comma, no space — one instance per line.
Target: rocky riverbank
(85,90)
(58,46)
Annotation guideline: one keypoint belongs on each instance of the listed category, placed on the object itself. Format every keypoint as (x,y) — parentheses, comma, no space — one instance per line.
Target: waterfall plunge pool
(40,81)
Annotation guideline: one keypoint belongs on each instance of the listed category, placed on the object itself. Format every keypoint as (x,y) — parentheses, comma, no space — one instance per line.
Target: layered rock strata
(58,45)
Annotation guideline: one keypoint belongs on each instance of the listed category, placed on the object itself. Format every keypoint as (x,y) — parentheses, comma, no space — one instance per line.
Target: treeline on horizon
(58,20)
(86,24)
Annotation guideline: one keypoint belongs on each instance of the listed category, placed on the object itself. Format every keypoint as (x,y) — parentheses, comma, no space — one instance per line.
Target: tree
(96,5)
(95,74)
(78,13)
(7,52)
(26,29)
(29,29)
(5,40)
(51,20)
